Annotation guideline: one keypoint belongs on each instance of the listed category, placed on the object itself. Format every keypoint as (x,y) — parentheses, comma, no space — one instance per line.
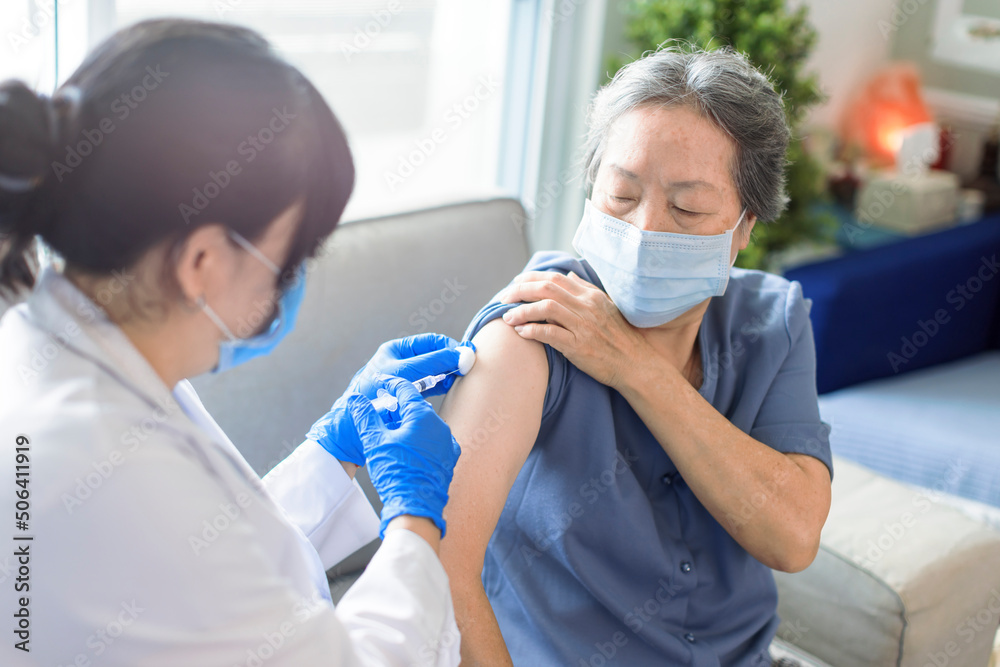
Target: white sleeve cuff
(320,498)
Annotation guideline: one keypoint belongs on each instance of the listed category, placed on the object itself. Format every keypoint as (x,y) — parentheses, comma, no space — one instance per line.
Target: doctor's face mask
(234,350)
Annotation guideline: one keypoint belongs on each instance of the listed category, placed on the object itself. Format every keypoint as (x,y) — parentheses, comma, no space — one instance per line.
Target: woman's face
(667,169)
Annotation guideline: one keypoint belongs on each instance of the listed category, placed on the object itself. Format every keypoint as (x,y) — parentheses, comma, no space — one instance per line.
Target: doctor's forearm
(761,496)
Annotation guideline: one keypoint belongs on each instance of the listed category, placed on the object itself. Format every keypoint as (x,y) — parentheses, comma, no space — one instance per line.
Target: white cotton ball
(466,359)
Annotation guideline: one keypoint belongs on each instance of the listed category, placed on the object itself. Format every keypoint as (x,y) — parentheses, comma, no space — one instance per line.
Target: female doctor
(184,173)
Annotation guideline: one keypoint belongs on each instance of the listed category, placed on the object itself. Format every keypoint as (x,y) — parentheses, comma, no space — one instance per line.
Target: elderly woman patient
(641,443)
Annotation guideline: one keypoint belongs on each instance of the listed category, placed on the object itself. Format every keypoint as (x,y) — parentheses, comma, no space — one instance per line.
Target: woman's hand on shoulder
(579,320)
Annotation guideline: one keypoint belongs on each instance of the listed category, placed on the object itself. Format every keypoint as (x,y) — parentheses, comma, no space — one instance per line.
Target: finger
(548,310)
(432,363)
(366,419)
(411,403)
(582,282)
(537,290)
(528,276)
(442,362)
(549,334)
(563,280)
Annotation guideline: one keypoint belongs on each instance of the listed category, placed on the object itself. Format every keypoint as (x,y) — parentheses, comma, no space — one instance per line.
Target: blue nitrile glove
(410,358)
(410,465)
(336,434)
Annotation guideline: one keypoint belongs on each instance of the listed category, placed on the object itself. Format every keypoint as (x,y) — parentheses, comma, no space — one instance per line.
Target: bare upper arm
(495,413)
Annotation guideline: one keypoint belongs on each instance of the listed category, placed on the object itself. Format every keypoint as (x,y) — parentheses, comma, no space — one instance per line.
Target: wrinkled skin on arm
(495,413)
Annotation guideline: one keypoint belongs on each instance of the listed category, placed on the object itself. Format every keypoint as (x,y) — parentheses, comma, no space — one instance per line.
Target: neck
(158,346)
(158,335)
(676,339)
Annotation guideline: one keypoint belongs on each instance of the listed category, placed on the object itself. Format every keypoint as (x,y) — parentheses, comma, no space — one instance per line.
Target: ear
(751,221)
(200,260)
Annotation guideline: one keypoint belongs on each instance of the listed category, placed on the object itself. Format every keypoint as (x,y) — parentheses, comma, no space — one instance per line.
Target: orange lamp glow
(886,105)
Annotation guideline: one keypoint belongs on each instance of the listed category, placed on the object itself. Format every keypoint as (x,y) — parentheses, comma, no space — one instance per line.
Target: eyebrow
(678,185)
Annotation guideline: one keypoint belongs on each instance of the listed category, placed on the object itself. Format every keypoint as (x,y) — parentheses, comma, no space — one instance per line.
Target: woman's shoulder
(555,260)
(762,304)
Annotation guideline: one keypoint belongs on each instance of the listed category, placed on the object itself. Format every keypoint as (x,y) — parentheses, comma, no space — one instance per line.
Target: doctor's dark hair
(168,125)
(723,86)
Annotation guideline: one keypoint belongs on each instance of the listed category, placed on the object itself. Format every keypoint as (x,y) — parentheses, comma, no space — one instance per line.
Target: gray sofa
(908,603)
(431,270)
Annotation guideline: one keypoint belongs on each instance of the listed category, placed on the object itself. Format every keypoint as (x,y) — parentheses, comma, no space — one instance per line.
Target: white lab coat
(155,543)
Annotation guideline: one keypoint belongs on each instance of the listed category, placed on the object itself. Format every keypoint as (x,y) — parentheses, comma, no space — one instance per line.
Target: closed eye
(686,212)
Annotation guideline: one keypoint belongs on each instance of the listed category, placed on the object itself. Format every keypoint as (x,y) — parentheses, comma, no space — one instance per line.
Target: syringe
(386,401)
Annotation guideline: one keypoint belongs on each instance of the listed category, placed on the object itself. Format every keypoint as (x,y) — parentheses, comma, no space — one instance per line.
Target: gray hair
(723,86)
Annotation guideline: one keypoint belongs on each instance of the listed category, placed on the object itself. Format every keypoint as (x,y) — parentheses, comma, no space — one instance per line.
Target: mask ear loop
(252,249)
(742,215)
(212,315)
(737,226)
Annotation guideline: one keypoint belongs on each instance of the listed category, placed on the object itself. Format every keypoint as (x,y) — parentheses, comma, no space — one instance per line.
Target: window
(418,84)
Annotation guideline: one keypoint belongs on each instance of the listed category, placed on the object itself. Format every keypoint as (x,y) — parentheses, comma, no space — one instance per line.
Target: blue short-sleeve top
(602,554)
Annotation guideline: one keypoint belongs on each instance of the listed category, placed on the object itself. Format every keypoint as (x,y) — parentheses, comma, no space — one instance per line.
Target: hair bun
(29,134)
(26,139)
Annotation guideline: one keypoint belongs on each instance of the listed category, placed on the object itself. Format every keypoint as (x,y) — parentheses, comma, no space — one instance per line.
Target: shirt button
(685,567)
(689,637)
(668,479)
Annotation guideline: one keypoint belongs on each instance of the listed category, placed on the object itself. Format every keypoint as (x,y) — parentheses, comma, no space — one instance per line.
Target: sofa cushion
(937,427)
(899,580)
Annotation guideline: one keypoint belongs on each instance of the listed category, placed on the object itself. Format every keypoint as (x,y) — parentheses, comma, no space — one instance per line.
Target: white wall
(850,47)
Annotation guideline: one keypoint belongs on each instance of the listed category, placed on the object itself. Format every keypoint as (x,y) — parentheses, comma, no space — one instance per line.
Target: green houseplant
(778,41)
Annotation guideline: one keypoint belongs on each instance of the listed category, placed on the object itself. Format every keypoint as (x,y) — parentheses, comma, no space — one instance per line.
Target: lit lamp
(891,123)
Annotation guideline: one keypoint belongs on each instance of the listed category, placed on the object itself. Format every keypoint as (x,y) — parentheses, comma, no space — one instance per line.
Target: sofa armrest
(900,579)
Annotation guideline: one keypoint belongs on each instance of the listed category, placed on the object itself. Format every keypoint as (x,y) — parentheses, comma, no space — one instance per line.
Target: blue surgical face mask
(234,351)
(653,276)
